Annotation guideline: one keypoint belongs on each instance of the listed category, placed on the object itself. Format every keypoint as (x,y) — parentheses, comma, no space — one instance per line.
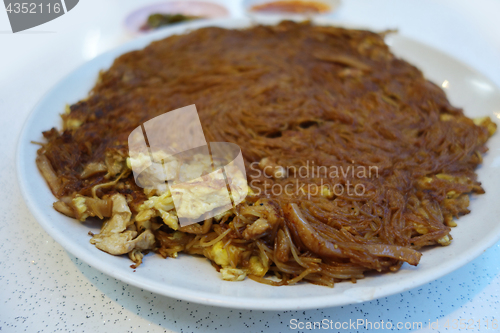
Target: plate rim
(208,298)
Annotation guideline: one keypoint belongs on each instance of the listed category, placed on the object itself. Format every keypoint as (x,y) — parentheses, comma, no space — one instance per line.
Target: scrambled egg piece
(199,165)
(446,117)
(159,166)
(201,195)
(420,228)
(195,189)
(153,170)
(73,124)
(486,122)
(227,258)
(256,267)
(70,123)
(326,192)
(162,206)
(115,162)
(444,241)
(233,274)
(80,207)
(220,255)
(238,274)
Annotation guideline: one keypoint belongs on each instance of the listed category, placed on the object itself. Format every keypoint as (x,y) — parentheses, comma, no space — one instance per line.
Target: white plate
(194,279)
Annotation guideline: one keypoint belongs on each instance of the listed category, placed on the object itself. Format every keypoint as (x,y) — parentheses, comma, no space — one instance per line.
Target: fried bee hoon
(354,160)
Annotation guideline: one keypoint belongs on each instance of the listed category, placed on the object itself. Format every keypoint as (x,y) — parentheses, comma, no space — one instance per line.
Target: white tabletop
(45,289)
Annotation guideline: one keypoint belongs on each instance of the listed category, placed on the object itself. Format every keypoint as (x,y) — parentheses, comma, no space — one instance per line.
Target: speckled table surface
(46,289)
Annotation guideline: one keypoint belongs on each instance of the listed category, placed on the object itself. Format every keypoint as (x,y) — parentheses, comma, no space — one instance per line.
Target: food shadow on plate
(94,224)
(453,290)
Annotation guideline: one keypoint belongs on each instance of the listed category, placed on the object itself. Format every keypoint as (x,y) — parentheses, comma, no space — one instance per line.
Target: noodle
(355,161)
(215,240)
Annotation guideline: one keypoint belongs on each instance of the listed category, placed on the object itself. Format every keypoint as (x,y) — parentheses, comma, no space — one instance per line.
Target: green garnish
(159,20)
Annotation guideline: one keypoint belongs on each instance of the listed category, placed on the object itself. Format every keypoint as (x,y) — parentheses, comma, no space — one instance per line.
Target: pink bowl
(137,18)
